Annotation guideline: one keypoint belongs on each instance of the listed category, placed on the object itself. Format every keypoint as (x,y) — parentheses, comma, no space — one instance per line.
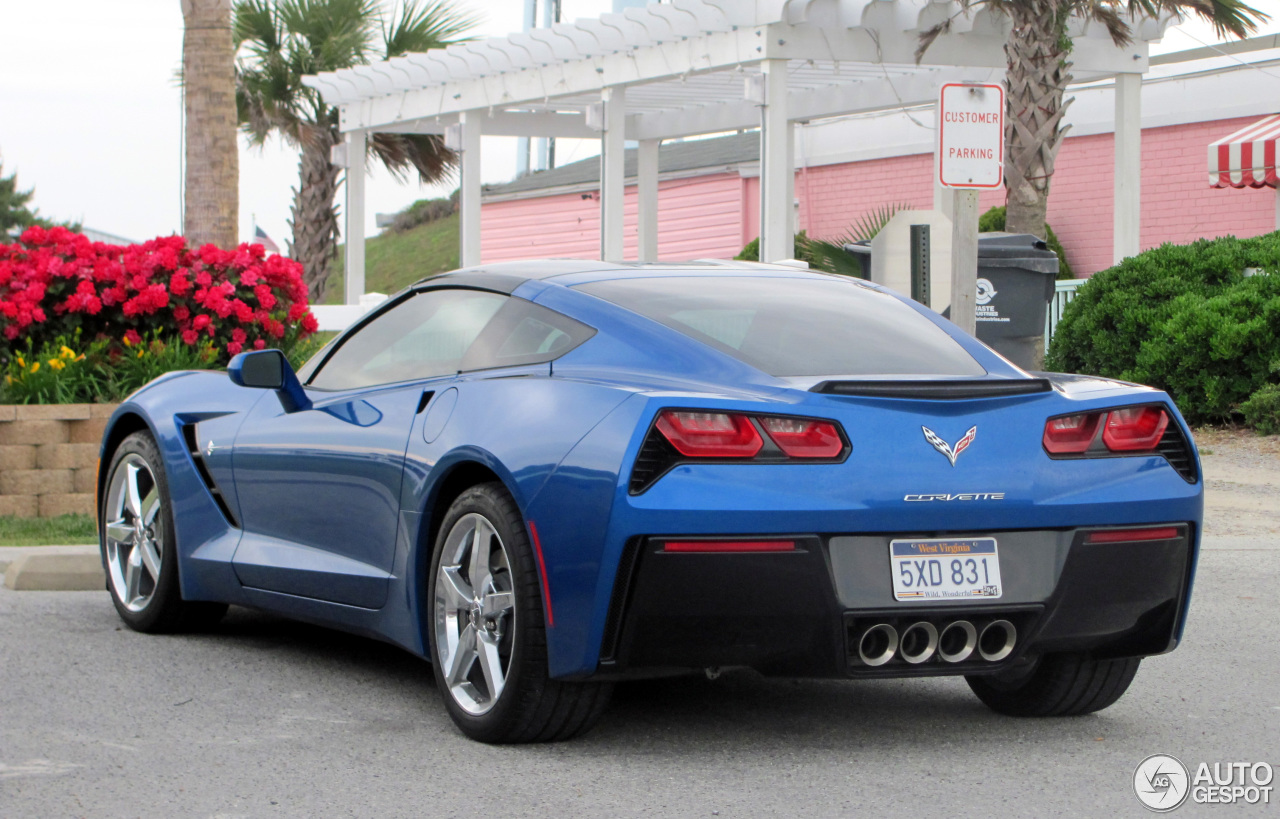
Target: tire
(1060,685)
(489,650)
(138,547)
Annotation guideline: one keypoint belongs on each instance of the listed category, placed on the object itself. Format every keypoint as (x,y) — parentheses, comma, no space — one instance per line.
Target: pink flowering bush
(55,283)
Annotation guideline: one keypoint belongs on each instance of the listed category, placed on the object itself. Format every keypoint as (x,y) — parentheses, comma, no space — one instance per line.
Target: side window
(426,335)
(525,333)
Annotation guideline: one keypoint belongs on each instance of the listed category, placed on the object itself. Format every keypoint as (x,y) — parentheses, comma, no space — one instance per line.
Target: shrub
(1262,410)
(54,283)
(423,212)
(1183,318)
(994,219)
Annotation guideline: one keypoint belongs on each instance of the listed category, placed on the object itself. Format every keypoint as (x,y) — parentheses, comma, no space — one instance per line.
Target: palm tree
(1039,71)
(279,42)
(211,209)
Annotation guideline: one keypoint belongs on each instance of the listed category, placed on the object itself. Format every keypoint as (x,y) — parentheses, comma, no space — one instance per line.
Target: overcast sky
(90,116)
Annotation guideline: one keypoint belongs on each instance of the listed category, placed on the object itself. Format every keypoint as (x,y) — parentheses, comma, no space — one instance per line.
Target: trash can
(862,252)
(1016,274)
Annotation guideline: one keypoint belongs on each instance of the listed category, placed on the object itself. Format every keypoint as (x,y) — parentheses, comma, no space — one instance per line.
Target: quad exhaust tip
(997,640)
(957,641)
(919,642)
(878,644)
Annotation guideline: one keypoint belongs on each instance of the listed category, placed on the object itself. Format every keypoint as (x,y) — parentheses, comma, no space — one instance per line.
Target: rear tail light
(1134,429)
(804,437)
(710,434)
(680,435)
(1071,433)
(1129,429)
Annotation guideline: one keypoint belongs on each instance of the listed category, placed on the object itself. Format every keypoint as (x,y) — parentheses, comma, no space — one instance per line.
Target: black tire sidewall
(163,608)
(527,670)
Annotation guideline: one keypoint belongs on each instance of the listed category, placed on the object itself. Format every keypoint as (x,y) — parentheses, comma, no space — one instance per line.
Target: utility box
(1016,274)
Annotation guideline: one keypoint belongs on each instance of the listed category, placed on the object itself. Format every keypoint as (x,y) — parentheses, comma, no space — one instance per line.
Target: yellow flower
(21,362)
(80,357)
(140,352)
(68,353)
(35,367)
(8,379)
(57,363)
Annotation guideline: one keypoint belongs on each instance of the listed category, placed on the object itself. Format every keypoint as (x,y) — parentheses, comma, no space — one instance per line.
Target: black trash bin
(862,252)
(1016,274)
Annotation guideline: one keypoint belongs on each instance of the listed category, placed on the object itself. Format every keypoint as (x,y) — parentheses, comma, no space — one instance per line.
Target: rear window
(787,326)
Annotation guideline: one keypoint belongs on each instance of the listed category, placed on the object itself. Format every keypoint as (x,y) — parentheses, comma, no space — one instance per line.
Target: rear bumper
(805,612)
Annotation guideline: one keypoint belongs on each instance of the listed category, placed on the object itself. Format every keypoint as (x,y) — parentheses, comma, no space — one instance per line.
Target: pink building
(709,189)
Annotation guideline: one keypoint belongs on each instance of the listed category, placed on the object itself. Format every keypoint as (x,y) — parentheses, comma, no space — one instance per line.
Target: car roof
(507,276)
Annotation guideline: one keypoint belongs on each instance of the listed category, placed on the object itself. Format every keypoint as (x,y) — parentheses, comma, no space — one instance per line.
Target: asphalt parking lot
(268,718)
(264,717)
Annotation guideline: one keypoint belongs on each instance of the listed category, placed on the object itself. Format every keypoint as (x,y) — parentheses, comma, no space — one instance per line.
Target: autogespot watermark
(1162,783)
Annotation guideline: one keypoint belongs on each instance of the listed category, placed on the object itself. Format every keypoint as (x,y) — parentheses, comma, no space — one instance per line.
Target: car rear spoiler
(940,390)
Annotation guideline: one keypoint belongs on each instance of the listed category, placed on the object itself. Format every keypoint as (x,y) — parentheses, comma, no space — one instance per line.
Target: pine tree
(15,215)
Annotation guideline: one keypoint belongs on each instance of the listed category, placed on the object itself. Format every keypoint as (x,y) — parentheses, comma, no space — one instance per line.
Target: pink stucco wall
(713,216)
(1177,203)
(700,217)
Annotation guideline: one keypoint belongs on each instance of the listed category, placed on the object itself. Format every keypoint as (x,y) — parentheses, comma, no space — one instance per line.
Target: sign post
(970,158)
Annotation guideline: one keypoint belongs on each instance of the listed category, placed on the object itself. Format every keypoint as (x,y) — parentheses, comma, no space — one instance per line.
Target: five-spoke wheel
(139,552)
(134,533)
(474,613)
(489,638)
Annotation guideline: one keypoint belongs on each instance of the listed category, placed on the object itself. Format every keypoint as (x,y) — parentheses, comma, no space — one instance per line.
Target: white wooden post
(1126,239)
(964,259)
(353,287)
(469,189)
(613,153)
(1278,208)
(777,174)
(647,199)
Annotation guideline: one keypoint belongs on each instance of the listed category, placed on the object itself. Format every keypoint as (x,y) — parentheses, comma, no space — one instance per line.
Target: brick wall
(49,458)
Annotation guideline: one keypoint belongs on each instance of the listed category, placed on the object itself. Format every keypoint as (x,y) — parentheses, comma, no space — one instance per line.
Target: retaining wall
(49,458)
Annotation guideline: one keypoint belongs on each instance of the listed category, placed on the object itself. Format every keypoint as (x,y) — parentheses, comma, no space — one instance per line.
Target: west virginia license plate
(945,569)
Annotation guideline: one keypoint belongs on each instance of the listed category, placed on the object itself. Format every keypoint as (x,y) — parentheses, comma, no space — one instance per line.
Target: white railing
(1064,291)
(342,316)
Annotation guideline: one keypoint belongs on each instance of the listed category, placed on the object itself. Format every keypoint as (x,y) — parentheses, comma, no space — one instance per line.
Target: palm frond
(425,153)
(1233,17)
(418,27)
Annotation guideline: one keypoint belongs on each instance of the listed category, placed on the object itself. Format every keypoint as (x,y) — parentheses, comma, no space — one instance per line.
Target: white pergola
(692,67)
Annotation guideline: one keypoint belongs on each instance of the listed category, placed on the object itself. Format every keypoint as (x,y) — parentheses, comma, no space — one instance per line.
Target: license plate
(945,569)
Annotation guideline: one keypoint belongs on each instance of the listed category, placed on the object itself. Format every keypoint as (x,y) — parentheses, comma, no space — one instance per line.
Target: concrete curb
(52,568)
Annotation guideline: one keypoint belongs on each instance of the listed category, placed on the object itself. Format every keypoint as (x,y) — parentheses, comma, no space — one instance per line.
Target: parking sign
(971,135)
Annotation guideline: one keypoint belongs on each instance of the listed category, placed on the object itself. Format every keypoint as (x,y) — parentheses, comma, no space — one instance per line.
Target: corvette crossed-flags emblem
(942,446)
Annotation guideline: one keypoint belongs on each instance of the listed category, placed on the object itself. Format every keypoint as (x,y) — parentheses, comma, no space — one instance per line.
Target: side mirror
(269,370)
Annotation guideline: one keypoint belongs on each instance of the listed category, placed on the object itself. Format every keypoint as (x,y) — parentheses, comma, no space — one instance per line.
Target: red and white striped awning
(1247,158)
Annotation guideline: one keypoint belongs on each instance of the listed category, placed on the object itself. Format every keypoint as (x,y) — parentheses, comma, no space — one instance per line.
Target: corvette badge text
(1162,783)
(956,496)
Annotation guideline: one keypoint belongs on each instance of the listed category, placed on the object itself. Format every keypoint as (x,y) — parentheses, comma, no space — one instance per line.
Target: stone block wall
(49,458)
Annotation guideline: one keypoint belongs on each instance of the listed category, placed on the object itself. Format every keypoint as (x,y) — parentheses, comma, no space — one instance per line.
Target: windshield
(796,327)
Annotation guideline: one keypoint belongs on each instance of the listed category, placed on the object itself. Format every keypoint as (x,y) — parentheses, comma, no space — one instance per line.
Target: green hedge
(1184,318)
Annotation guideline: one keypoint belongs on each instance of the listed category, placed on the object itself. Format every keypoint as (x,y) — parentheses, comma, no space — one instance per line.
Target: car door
(319,488)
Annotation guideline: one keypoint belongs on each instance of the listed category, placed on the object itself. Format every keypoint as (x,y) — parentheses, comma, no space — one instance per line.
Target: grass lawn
(65,530)
(393,261)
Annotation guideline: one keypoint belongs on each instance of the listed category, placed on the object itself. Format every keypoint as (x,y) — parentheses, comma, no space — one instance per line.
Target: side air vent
(1173,446)
(193,448)
(618,603)
(937,390)
(655,458)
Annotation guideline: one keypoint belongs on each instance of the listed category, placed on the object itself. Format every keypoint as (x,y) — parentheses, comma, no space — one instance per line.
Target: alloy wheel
(474,614)
(134,533)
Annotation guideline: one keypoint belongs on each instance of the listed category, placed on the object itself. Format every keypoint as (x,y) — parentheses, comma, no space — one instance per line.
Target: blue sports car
(548,476)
